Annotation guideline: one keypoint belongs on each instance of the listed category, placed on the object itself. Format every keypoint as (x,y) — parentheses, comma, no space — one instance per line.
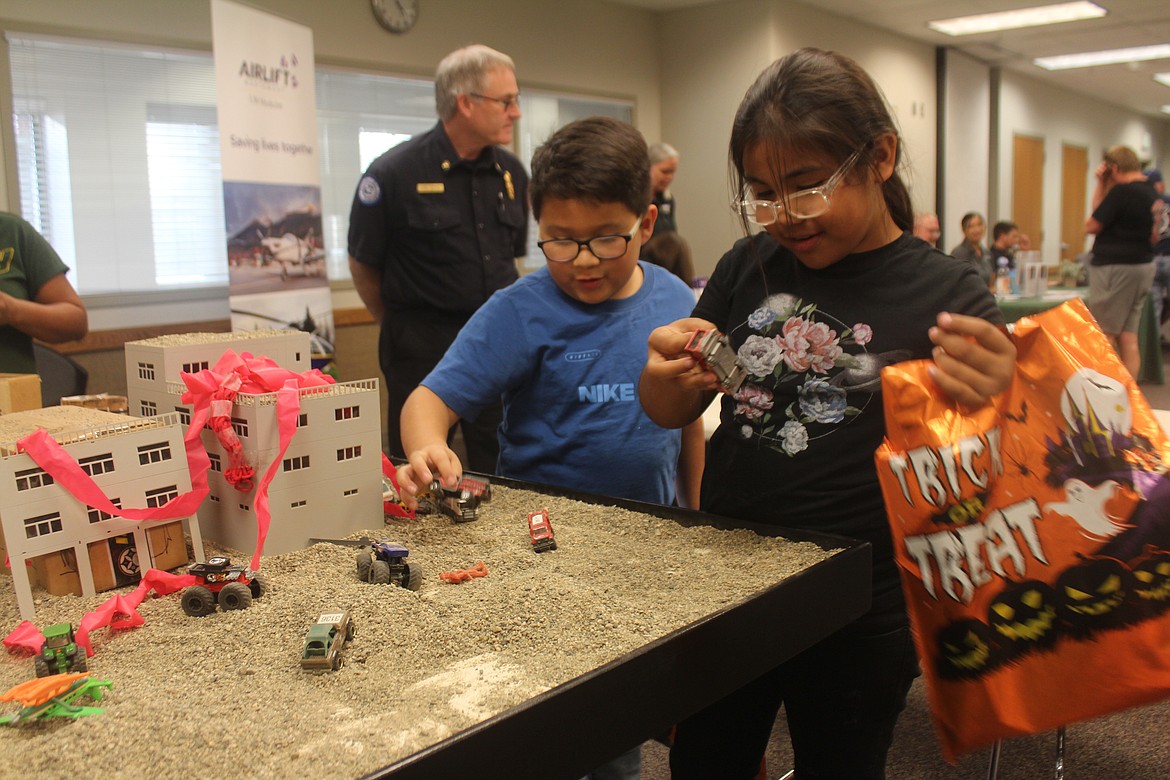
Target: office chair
(60,375)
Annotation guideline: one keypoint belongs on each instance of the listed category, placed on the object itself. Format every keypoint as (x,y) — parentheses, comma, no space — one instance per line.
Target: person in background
(1161,241)
(926,227)
(663,166)
(564,346)
(672,252)
(1005,238)
(36,299)
(833,288)
(436,225)
(1121,272)
(971,247)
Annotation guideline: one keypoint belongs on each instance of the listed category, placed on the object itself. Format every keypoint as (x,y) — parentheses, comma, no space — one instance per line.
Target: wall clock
(397,16)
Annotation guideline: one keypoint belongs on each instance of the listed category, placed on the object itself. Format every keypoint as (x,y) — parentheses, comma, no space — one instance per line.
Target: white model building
(329,483)
(136,462)
(152,363)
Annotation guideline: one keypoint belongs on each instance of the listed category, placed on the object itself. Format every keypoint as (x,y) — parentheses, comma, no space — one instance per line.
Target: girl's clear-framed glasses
(803,204)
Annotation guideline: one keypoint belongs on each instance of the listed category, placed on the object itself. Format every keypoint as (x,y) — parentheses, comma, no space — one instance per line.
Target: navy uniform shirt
(444,231)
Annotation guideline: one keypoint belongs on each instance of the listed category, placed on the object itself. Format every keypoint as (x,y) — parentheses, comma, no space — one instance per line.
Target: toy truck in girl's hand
(712,350)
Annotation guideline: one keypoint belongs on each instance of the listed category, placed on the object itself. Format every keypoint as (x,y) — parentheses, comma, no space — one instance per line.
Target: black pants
(842,698)
(410,344)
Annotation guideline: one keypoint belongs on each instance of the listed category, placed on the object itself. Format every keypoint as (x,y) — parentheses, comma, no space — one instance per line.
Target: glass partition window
(118,160)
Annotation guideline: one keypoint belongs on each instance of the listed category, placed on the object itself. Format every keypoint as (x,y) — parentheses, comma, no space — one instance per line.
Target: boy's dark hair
(597,159)
(1002,229)
(819,101)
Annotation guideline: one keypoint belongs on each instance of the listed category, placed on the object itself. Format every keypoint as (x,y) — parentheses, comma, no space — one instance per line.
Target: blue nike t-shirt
(568,375)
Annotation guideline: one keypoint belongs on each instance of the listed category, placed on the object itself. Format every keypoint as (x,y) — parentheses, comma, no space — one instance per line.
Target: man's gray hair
(661,151)
(461,73)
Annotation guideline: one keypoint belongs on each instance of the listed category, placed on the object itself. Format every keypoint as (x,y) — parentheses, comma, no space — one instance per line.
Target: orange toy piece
(463,575)
(39,690)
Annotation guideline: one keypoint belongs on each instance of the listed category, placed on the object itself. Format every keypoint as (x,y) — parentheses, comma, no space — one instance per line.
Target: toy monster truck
(540,529)
(233,587)
(460,503)
(384,563)
(712,350)
(60,654)
(325,640)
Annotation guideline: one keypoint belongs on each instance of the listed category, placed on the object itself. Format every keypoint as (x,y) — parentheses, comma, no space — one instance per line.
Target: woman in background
(971,247)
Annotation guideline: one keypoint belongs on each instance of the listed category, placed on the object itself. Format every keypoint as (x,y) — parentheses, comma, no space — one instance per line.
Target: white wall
(967,146)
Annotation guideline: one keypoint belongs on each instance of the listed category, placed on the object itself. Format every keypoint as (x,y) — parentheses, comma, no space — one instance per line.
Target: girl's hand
(417,475)
(667,360)
(973,359)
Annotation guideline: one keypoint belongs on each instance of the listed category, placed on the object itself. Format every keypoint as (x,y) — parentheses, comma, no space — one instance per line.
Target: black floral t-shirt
(795,445)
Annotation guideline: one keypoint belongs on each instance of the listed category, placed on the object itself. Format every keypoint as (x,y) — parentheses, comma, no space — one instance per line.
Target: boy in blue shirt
(564,345)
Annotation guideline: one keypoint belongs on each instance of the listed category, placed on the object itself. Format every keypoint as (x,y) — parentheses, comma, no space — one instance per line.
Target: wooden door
(1074,176)
(1027,189)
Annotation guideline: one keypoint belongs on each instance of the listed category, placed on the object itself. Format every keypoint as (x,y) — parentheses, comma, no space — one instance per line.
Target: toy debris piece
(325,640)
(463,575)
(384,563)
(232,587)
(51,697)
(392,504)
(541,531)
(460,503)
(711,348)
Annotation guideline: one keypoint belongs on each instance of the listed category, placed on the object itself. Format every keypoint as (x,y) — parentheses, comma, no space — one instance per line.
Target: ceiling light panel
(1021,17)
(1091,59)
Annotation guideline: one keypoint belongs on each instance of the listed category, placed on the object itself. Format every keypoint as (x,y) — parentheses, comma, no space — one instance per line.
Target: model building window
(349,453)
(297,463)
(42,525)
(97,464)
(195,368)
(297,504)
(347,412)
(97,515)
(350,492)
(213,497)
(159,496)
(302,419)
(154,453)
(216,463)
(32,478)
(245,507)
(146,371)
(149,409)
(184,414)
(240,426)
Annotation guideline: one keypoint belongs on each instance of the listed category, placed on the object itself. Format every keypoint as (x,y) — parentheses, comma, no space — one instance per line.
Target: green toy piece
(60,706)
(60,653)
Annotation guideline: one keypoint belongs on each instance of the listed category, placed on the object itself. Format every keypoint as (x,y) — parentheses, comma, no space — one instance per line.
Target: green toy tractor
(60,653)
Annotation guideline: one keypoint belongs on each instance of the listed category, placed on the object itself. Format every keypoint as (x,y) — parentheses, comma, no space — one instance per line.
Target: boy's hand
(417,475)
(973,359)
(667,361)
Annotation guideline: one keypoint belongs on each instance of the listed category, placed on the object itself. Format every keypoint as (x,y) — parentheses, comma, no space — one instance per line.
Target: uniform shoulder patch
(369,192)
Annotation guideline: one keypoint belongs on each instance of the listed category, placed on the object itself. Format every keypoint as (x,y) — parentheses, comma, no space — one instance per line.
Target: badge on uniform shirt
(508,185)
(429,188)
(368,190)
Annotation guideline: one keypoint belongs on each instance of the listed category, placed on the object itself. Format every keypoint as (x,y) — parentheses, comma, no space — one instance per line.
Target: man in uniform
(436,225)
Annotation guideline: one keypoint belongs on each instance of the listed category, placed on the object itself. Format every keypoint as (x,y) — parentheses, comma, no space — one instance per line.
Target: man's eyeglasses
(505,102)
(565,250)
(804,204)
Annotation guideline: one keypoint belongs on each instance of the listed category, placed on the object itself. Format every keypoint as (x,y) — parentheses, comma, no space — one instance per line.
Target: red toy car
(541,531)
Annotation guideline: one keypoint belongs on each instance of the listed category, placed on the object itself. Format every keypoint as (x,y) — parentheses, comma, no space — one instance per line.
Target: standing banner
(1033,537)
(266,98)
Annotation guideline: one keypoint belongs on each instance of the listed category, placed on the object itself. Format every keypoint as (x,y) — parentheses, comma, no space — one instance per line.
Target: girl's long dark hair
(820,102)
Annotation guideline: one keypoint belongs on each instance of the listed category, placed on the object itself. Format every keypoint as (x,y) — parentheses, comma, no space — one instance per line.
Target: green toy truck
(60,653)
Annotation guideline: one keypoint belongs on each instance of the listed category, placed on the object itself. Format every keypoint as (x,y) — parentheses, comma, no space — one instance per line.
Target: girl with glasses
(833,288)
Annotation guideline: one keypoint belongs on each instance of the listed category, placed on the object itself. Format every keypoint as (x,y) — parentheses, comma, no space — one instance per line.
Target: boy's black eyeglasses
(505,102)
(565,250)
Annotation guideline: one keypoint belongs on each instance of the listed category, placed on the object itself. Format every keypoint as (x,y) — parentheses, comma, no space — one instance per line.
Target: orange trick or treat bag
(1033,537)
